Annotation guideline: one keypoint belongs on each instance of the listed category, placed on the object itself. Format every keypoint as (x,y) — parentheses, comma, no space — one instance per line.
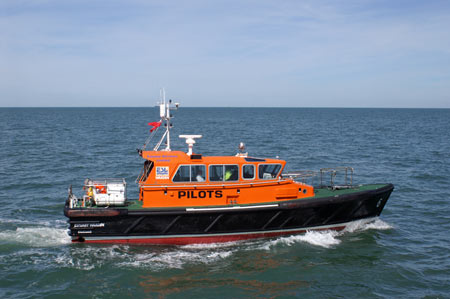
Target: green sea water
(404,253)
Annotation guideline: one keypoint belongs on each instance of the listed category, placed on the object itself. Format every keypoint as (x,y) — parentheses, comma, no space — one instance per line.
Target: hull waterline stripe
(230,208)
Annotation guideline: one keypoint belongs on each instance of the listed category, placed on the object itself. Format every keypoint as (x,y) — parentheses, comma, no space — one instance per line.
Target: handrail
(137,180)
(103,181)
(304,175)
(333,173)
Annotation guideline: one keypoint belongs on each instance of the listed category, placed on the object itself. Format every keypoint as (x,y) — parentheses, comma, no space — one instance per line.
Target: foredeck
(327,192)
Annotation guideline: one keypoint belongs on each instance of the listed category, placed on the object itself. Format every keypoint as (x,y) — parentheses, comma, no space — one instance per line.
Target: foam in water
(176,258)
(366,224)
(69,261)
(21,221)
(324,239)
(328,238)
(36,236)
(211,245)
(91,256)
(151,258)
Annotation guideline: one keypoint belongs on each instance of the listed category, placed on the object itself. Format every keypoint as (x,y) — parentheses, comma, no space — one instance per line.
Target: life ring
(100,189)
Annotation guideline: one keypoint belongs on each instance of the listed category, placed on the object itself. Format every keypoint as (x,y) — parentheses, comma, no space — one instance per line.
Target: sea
(405,253)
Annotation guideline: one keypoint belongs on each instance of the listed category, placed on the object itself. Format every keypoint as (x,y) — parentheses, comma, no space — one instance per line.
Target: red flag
(154,125)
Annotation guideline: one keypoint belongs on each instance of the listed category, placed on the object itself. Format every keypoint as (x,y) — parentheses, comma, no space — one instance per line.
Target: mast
(164,113)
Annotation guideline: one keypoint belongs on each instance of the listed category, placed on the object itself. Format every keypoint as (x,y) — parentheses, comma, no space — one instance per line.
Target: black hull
(201,225)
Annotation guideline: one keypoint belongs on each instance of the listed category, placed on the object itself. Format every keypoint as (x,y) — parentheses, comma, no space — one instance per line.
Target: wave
(177,258)
(56,222)
(155,258)
(324,239)
(328,238)
(366,224)
(211,245)
(40,236)
(34,233)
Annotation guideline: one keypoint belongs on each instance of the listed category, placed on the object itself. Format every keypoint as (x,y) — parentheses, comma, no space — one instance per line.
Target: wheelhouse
(178,179)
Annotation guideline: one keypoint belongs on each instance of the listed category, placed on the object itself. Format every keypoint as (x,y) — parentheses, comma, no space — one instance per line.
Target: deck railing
(305,176)
(336,178)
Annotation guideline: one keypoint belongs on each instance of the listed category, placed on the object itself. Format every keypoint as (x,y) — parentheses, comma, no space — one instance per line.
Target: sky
(255,53)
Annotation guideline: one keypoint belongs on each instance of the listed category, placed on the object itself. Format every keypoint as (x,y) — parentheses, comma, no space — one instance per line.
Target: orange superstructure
(177,179)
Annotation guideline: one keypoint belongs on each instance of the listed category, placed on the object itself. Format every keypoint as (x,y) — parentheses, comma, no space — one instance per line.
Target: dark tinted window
(219,173)
(216,173)
(148,166)
(268,171)
(183,174)
(231,173)
(190,173)
(248,171)
(198,173)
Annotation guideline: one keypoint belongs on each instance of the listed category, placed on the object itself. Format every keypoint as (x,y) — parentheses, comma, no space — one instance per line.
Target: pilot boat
(188,198)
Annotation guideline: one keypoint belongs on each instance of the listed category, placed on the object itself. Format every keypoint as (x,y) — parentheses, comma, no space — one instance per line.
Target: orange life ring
(100,189)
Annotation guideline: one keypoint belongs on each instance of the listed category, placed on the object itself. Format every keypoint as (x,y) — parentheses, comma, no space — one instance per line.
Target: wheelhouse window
(248,171)
(268,171)
(190,173)
(216,173)
(198,173)
(221,173)
(148,166)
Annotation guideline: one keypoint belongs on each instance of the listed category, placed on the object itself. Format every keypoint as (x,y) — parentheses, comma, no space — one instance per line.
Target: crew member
(199,176)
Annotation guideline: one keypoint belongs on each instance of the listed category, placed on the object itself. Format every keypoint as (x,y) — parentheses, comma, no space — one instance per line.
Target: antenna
(164,113)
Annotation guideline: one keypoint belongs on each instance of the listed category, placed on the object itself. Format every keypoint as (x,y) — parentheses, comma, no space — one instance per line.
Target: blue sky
(225,53)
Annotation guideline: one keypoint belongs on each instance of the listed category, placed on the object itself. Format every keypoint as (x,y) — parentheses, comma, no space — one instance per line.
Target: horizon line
(244,107)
